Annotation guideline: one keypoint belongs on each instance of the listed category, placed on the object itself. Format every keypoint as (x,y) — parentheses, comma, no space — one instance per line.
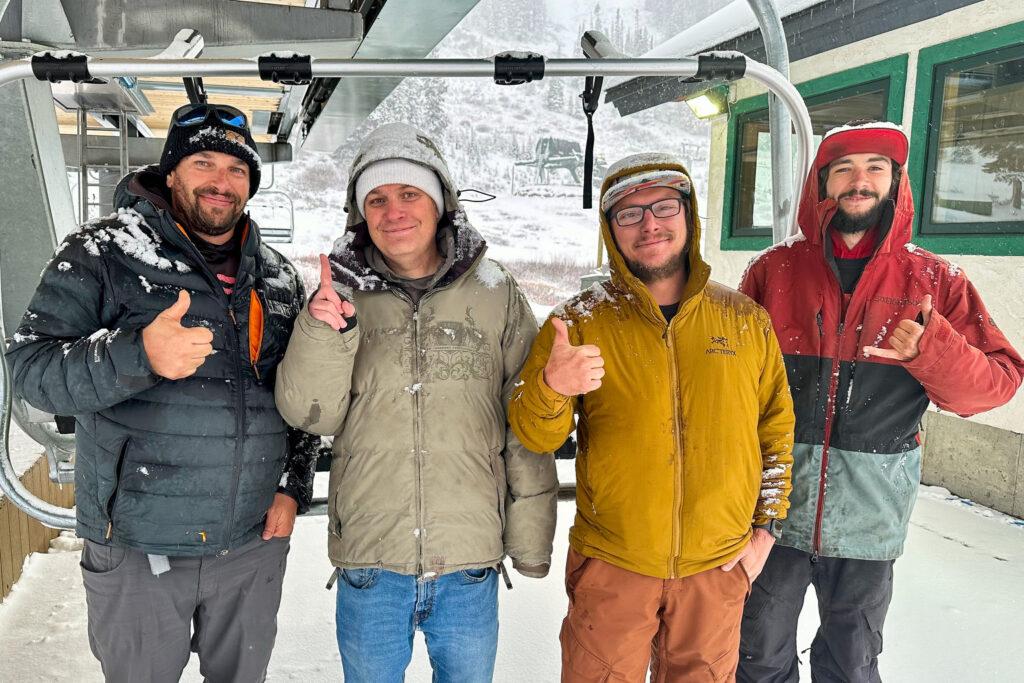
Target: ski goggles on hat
(629,184)
(196,114)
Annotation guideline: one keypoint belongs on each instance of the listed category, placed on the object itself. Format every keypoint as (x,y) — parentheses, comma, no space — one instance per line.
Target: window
(975,155)
(752,209)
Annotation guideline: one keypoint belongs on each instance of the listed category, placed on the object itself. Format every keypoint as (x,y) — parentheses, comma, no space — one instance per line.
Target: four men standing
(161,328)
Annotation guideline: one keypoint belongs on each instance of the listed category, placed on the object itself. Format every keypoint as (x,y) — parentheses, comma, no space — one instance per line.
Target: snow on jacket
(184,467)
(426,478)
(858,457)
(687,441)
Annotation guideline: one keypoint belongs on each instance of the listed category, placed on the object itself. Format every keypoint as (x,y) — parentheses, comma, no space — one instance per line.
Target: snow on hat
(628,184)
(211,135)
(399,172)
(880,137)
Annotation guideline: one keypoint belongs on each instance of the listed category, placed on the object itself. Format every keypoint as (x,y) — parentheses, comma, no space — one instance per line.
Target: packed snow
(957,612)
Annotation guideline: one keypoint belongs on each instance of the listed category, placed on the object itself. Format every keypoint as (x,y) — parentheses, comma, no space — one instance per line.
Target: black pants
(853,598)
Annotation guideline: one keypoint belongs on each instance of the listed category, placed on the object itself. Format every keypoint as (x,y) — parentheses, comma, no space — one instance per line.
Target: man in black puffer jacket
(160,328)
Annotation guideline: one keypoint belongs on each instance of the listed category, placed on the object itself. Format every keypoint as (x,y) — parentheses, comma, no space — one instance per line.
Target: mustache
(862,193)
(213,192)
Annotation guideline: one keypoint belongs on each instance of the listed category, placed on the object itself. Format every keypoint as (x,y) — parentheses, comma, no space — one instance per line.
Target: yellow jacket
(688,441)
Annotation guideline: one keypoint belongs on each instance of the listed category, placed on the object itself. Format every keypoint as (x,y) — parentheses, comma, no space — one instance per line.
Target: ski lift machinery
(512,68)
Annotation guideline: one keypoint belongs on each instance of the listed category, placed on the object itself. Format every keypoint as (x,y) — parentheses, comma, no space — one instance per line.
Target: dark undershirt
(222,259)
(669,311)
(850,270)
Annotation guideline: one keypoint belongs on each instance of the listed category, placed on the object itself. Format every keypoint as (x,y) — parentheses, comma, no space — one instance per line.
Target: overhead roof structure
(319,116)
(811,27)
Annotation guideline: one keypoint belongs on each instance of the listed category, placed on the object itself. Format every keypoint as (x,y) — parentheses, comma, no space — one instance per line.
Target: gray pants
(224,607)
(853,598)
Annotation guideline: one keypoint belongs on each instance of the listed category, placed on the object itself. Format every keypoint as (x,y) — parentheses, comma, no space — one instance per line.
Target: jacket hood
(700,271)
(400,141)
(816,211)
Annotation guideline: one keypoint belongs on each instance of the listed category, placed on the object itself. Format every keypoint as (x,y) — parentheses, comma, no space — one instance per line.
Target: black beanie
(211,135)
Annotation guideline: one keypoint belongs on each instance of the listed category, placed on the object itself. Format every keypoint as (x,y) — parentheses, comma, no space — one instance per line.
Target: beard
(200,220)
(651,274)
(850,225)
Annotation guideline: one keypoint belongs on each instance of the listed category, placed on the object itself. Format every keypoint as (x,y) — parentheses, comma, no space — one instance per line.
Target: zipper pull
(256,370)
(842,326)
(821,323)
(231,314)
(110,530)
(334,577)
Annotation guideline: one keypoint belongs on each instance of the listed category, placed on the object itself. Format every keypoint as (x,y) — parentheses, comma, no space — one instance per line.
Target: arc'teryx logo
(720,346)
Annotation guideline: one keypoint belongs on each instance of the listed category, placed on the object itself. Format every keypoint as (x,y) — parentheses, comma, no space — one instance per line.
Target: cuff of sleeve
(128,356)
(291,493)
(321,331)
(549,398)
(938,336)
(532,571)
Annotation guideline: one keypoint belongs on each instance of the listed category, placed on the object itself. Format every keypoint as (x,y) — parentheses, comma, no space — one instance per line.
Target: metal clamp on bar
(62,66)
(516,68)
(291,69)
(727,66)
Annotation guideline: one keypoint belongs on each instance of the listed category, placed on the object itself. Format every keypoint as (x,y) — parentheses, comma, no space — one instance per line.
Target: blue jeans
(379,611)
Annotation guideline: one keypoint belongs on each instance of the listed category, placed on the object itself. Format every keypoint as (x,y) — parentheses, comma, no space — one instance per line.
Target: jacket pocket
(339,464)
(111,501)
(500,481)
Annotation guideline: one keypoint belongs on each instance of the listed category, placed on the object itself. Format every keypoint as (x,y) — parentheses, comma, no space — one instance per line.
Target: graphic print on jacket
(857,458)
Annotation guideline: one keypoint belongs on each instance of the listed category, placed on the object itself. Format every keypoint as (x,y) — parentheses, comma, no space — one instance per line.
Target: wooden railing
(21,535)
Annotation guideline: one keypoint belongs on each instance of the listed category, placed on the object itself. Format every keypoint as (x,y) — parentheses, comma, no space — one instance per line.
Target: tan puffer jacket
(426,477)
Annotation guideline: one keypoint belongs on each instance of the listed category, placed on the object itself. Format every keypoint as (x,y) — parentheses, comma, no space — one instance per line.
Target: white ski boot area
(957,613)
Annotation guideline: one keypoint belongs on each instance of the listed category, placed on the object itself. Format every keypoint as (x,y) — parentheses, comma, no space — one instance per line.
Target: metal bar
(789,95)
(483,68)
(777,57)
(50,515)
(83,168)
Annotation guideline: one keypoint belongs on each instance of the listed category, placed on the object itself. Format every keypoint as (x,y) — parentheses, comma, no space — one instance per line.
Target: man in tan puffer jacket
(429,490)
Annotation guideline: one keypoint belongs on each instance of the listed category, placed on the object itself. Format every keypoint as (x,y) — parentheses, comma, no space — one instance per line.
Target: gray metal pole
(777,57)
(480,68)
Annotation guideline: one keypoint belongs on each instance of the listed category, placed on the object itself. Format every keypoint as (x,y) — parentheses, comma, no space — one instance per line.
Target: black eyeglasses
(663,208)
(194,114)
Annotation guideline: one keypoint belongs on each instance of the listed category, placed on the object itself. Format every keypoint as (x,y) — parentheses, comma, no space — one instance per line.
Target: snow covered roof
(731,21)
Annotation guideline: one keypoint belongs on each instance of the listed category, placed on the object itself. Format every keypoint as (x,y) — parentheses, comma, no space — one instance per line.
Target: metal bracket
(291,69)
(717,65)
(62,66)
(516,68)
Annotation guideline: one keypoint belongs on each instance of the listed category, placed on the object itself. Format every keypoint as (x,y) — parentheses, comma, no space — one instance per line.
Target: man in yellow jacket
(685,432)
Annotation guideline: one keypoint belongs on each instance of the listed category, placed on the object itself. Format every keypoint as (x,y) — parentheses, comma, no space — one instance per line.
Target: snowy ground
(957,614)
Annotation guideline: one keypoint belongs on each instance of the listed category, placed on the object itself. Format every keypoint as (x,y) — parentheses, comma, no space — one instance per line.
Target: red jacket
(862,411)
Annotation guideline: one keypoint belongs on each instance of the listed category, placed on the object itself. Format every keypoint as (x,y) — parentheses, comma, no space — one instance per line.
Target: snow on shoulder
(490,273)
(128,230)
(585,303)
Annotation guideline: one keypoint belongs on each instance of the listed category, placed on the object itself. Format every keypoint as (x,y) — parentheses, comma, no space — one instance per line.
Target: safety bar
(290,67)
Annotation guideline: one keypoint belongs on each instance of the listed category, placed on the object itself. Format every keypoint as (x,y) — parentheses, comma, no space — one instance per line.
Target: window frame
(1003,238)
(842,84)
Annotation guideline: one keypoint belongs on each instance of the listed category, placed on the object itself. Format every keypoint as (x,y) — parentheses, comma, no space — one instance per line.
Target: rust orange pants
(619,622)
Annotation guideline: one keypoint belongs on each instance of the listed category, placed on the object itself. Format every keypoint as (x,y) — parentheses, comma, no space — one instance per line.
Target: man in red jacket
(872,329)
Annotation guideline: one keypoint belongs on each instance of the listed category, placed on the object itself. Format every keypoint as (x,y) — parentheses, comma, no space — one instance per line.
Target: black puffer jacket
(186,467)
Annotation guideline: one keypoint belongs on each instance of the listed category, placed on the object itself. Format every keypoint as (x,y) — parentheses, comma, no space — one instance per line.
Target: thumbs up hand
(326,305)
(572,370)
(906,336)
(175,351)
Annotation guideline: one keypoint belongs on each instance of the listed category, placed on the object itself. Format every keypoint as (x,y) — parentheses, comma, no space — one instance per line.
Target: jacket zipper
(677,460)
(830,405)
(117,485)
(417,436)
